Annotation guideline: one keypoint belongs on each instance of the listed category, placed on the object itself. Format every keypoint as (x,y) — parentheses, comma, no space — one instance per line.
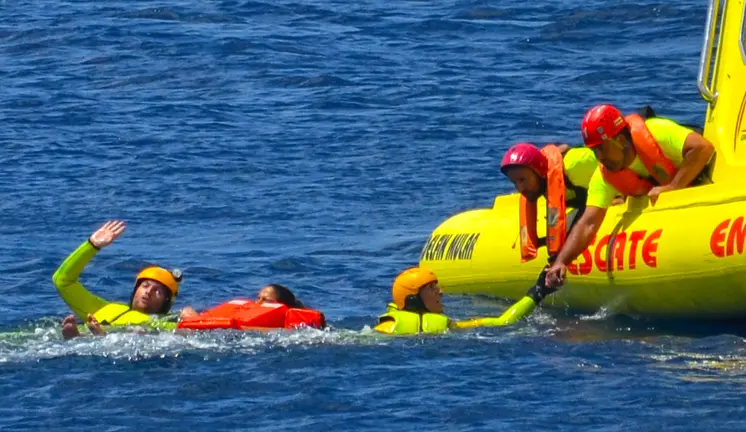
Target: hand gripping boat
(682,258)
(243,314)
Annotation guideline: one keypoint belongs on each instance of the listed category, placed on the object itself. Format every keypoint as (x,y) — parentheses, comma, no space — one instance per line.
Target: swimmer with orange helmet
(153,294)
(417,308)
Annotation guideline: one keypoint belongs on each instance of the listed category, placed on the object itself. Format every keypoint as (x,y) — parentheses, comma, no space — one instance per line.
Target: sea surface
(317,144)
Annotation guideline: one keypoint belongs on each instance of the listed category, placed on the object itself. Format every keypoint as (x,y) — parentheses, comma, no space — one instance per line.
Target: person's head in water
(155,289)
(279,294)
(416,290)
(526,166)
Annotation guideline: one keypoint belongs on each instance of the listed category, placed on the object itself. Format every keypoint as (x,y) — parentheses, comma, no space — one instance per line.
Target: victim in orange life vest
(244,314)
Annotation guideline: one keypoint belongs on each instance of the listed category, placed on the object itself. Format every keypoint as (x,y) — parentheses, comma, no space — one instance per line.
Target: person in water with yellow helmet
(153,294)
(417,308)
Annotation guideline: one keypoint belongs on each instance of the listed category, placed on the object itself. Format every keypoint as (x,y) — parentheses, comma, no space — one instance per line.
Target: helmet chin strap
(542,187)
(618,144)
(629,152)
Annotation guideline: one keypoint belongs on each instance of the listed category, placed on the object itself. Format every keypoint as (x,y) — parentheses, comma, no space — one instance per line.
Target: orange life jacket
(629,183)
(243,314)
(556,210)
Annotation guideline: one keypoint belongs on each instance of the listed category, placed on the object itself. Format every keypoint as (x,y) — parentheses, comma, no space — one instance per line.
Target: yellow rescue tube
(682,258)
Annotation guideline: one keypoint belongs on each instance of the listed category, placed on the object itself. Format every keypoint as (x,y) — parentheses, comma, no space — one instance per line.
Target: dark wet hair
(414,303)
(285,296)
(167,303)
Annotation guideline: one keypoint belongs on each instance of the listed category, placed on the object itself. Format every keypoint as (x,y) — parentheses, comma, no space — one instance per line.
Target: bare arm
(580,238)
(697,152)
(582,234)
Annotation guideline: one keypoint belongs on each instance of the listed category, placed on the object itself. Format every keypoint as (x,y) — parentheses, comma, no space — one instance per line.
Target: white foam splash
(47,343)
(600,315)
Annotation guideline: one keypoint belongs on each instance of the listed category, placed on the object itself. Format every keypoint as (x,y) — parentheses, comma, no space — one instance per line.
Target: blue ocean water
(317,144)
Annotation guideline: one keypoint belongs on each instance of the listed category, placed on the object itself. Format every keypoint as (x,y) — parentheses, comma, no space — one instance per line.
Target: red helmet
(601,122)
(528,155)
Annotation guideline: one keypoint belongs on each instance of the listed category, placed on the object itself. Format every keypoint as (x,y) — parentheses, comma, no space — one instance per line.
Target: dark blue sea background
(317,144)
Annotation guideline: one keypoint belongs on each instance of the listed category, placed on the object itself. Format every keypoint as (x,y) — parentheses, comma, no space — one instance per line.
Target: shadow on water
(603,326)
(582,328)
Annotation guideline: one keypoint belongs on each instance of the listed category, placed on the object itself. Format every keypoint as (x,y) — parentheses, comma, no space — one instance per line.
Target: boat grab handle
(706,55)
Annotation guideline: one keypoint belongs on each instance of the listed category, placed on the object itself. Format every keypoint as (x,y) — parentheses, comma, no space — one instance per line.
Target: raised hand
(108,232)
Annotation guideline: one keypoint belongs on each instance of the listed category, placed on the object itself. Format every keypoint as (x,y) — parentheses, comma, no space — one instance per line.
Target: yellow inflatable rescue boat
(684,257)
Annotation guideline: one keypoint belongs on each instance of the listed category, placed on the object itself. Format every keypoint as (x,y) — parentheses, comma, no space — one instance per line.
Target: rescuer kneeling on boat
(153,294)
(558,173)
(417,307)
(637,157)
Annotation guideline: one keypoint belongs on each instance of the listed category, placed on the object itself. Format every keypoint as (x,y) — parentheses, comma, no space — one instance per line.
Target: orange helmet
(168,278)
(409,283)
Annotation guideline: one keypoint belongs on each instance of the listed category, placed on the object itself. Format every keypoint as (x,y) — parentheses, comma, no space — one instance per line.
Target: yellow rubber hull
(682,258)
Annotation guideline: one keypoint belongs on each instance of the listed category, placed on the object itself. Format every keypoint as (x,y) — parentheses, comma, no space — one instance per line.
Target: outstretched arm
(580,238)
(520,309)
(65,279)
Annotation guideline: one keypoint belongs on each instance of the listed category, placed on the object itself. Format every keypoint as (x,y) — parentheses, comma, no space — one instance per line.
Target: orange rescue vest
(629,183)
(243,314)
(556,210)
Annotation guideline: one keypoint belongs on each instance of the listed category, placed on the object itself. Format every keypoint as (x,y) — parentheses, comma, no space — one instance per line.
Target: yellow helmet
(168,278)
(409,283)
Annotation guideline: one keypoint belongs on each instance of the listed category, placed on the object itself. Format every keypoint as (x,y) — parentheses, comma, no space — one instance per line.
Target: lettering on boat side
(449,247)
(629,248)
(728,237)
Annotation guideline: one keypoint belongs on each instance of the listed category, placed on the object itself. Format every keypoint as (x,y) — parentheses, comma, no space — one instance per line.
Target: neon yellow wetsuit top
(670,137)
(401,322)
(580,163)
(82,302)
